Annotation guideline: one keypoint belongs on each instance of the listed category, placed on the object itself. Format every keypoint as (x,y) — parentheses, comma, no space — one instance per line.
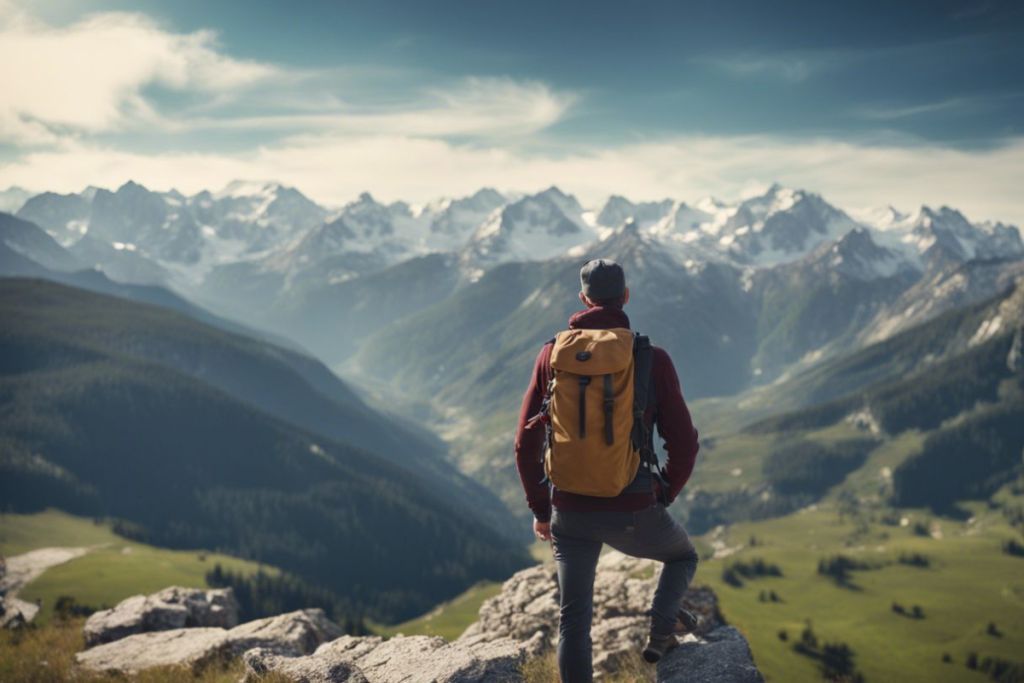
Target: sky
(868,103)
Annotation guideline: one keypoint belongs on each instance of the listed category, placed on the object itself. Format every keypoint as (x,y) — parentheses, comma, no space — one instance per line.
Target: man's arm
(530,442)
(674,424)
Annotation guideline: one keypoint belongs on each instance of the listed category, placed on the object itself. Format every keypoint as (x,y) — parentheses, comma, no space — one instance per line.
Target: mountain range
(265,254)
(437,310)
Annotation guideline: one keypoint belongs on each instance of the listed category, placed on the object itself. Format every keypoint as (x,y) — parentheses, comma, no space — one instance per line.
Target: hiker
(589,469)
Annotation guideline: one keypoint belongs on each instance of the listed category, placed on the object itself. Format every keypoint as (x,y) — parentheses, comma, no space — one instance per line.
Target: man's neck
(599,318)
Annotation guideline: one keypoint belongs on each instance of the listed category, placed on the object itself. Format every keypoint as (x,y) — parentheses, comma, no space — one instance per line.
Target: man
(634,521)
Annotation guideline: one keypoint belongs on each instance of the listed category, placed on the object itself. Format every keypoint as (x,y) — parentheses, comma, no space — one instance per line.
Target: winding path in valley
(22,569)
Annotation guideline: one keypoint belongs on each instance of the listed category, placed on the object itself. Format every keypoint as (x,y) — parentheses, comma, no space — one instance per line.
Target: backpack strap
(643,367)
(609,409)
(584,383)
(544,415)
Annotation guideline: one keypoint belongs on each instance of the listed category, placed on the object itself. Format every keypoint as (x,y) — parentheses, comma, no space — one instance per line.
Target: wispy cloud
(91,76)
(95,76)
(787,67)
(881,113)
(469,107)
(959,105)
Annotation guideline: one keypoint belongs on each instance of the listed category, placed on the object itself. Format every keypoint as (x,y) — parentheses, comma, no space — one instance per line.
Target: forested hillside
(98,420)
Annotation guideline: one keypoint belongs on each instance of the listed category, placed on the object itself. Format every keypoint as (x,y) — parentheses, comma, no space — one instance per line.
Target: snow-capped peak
(532,228)
(247,188)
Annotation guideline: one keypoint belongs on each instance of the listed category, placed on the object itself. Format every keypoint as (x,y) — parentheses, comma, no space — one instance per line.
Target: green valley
(114,567)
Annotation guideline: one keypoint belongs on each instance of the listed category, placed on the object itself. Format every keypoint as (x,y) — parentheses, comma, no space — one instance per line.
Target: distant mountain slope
(938,342)
(334,319)
(930,418)
(30,241)
(281,382)
(26,250)
(251,365)
(99,418)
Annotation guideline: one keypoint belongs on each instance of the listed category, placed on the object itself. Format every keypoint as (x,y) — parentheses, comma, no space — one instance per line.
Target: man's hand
(542,530)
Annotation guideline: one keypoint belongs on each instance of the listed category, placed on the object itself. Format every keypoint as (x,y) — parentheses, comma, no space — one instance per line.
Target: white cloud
(335,168)
(90,76)
(879,113)
(470,107)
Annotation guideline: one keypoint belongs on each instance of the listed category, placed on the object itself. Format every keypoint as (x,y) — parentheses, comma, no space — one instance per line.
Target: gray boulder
(293,634)
(194,648)
(171,608)
(722,656)
(15,613)
(402,659)
(260,662)
(527,608)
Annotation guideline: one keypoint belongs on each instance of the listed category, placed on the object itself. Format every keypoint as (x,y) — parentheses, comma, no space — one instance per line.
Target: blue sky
(868,103)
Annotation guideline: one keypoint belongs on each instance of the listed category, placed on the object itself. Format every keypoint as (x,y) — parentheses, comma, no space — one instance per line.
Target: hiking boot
(686,622)
(657,646)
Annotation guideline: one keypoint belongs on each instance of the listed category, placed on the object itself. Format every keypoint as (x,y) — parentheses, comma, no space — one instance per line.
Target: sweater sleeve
(675,426)
(529,443)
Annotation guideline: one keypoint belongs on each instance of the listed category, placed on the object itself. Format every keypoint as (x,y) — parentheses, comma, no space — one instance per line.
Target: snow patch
(988,329)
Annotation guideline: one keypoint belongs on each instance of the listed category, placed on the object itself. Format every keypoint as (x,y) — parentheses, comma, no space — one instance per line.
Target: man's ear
(585,301)
(625,297)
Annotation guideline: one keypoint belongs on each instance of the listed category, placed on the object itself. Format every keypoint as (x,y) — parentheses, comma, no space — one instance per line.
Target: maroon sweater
(670,414)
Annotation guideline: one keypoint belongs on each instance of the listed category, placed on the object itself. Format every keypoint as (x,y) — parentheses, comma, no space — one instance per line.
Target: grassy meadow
(114,568)
(449,619)
(969,582)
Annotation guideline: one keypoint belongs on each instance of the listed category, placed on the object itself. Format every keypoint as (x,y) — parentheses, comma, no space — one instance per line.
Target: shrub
(915,560)
(735,572)
(840,567)
(1012,547)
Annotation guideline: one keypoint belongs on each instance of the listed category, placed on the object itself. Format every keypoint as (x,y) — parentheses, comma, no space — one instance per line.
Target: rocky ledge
(526,611)
(292,634)
(519,624)
(171,608)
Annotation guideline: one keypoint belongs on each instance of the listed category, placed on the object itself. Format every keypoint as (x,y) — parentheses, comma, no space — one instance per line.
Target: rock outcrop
(401,659)
(521,622)
(292,634)
(15,613)
(171,608)
(722,655)
(527,608)
(195,648)
(518,624)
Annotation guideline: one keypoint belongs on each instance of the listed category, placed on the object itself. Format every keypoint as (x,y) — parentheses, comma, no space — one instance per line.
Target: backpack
(594,409)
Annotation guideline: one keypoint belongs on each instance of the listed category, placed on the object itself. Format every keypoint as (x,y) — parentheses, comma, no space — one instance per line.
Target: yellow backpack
(594,411)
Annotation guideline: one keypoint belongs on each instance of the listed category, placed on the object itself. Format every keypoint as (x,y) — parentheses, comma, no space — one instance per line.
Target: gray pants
(577,538)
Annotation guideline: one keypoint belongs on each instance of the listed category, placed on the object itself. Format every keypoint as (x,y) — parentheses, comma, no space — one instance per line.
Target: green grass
(21,533)
(114,569)
(449,619)
(970,583)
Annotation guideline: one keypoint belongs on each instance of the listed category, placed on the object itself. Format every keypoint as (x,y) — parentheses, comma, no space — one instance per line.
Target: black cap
(602,279)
